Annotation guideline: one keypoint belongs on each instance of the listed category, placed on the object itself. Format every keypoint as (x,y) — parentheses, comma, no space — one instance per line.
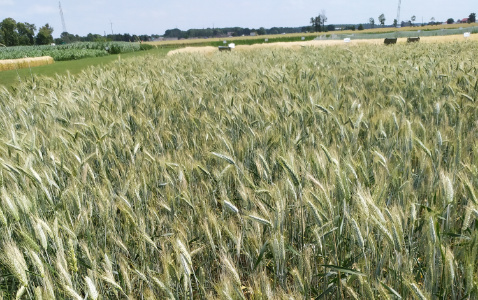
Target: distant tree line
(13,33)
(66,38)
(227,31)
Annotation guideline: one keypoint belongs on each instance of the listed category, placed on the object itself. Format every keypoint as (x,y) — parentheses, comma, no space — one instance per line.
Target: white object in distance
(303,38)
(466,34)
(232,45)
(347,40)
(224,42)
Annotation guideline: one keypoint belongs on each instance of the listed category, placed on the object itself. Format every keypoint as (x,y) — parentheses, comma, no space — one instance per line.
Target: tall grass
(323,172)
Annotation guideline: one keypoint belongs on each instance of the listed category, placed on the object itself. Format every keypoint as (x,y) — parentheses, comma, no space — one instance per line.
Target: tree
(395,22)
(472,18)
(315,22)
(450,21)
(8,29)
(413,19)
(432,20)
(381,19)
(372,22)
(360,27)
(44,36)
(26,33)
(323,18)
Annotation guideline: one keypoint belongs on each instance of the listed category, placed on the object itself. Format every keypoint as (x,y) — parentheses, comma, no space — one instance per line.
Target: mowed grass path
(11,78)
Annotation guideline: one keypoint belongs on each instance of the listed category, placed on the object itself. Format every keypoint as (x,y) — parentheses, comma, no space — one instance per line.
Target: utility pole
(111,27)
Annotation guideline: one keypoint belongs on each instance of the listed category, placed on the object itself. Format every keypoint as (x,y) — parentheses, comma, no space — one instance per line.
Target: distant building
(253,33)
(465,20)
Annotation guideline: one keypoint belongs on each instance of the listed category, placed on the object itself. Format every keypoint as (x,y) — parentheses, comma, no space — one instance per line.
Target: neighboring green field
(69,51)
(10,78)
(331,172)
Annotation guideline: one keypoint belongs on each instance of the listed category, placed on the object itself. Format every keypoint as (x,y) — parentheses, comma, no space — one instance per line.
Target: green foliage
(44,35)
(70,51)
(381,19)
(339,172)
(318,23)
(10,79)
(472,18)
(114,49)
(8,32)
(144,46)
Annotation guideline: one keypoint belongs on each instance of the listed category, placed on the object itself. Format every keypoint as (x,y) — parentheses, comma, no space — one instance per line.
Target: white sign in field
(466,34)
(347,40)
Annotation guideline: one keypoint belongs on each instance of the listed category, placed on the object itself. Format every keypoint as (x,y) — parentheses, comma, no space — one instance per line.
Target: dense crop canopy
(340,171)
(68,51)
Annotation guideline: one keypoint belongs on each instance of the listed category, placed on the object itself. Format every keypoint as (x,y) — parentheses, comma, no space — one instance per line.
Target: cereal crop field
(309,173)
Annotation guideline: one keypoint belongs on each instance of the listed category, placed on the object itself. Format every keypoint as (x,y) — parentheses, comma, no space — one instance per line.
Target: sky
(154,17)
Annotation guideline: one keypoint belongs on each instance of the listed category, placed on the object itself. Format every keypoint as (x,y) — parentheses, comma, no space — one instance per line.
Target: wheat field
(12,64)
(317,173)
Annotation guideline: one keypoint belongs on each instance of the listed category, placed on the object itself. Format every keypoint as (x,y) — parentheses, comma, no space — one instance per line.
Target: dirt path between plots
(319,43)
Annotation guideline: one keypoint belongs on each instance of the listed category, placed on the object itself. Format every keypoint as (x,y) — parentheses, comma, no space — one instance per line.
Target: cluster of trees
(381,19)
(233,31)
(13,33)
(318,23)
(66,38)
(472,18)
